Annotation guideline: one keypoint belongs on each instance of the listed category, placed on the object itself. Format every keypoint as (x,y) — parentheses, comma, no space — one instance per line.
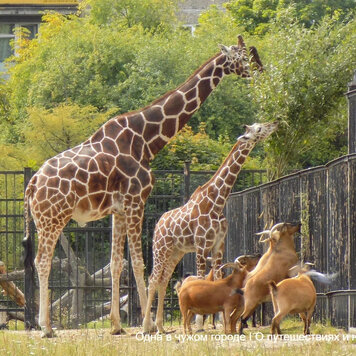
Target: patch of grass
(16,325)
(98,341)
(294,325)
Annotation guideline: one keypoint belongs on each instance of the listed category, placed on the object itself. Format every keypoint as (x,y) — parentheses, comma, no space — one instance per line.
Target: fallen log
(12,276)
(10,288)
(20,274)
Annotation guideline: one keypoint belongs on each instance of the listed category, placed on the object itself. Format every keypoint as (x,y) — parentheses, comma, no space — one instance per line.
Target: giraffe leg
(116,263)
(217,259)
(201,256)
(162,287)
(148,325)
(134,229)
(46,245)
(199,322)
(219,248)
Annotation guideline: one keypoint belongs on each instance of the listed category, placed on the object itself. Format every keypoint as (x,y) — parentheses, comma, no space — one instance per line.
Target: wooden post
(351,96)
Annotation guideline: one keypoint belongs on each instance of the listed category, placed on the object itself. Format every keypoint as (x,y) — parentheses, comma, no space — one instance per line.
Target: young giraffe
(110,174)
(198,226)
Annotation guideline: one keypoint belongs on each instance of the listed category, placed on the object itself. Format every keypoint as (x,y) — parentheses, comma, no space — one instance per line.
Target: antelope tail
(320,277)
(272,288)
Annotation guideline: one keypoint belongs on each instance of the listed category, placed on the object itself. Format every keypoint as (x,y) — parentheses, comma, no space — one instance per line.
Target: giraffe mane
(189,78)
(222,164)
(164,96)
(196,192)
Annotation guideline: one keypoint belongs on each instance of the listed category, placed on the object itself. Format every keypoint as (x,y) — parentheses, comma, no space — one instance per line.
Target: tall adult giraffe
(110,174)
(199,225)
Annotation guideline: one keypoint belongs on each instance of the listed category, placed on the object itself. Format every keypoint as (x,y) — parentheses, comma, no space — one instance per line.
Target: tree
(255,16)
(202,151)
(199,149)
(58,129)
(151,14)
(83,61)
(303,86)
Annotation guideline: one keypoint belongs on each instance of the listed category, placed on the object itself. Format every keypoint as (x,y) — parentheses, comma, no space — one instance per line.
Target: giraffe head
(240,62)
(258,132)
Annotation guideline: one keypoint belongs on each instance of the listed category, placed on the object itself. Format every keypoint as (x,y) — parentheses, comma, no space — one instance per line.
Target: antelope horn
(293,271)
(264,232)
(234,265)
(275,227)
(265,240)
(237,259)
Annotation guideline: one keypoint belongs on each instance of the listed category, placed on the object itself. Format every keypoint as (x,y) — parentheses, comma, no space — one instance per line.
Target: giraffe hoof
(154,329)
(119,331)
(149,327)
(47,333)
(200,331)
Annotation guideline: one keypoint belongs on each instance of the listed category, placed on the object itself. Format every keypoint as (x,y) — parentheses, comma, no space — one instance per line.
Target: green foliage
(203,152)
(255,16)
(200,149)
(58,129)
(303,86)
(121,55)
(79,60)
(151,14)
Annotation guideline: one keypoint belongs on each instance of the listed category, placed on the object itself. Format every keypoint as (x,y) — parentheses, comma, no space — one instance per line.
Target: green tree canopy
(121,55)
(116,67)
(255,16)
(303,86)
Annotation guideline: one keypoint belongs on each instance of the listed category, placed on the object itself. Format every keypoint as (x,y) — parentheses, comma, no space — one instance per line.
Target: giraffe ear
(224,50)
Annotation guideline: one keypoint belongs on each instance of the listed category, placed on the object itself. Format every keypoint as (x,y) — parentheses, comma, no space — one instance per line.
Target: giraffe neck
(161,120)
(220,184)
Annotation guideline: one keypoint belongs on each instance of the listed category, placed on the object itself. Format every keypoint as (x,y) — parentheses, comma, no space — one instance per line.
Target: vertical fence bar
(186,181)
(29,287)
(351,96)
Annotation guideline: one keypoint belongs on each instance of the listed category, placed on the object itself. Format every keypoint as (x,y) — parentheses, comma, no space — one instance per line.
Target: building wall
(191,9)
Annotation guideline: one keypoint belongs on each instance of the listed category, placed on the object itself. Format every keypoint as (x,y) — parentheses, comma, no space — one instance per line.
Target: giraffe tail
(27,242)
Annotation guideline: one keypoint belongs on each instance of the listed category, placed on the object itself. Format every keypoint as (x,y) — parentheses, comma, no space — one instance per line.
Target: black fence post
(188,263)
(351,96)
(186,181)
(29,287)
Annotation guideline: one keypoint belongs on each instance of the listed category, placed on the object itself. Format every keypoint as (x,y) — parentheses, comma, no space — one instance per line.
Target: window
(7,34)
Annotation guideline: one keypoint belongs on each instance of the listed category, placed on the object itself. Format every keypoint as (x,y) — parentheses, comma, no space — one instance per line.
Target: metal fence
(324,200)
(80,286)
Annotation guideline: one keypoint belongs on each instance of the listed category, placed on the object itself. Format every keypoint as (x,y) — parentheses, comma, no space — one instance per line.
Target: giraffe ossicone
(199,225)
(110,174)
